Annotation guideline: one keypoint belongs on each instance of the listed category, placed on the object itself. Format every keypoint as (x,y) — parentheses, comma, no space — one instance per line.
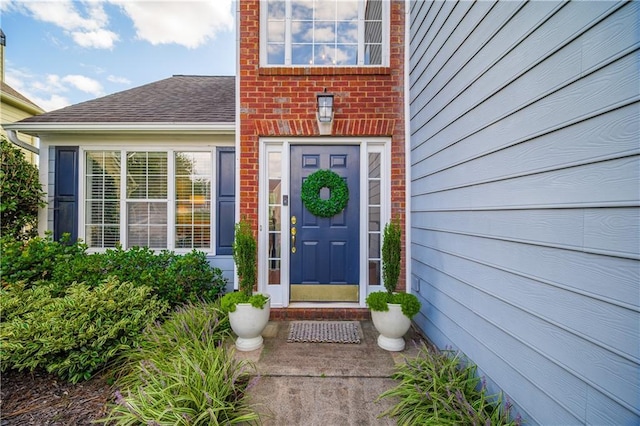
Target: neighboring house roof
(178,99)
(19,99)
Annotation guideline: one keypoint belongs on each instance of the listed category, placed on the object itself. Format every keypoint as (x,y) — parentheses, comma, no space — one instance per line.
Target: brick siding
(281,101)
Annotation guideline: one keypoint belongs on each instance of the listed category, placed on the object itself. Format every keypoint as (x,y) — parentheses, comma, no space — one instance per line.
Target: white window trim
(386,39)
(211,250)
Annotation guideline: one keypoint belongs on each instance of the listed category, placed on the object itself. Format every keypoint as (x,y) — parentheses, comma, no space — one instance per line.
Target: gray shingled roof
(178,99)
(8,90)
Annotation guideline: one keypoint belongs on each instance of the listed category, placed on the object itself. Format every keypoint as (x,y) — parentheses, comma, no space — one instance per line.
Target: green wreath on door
(310,193)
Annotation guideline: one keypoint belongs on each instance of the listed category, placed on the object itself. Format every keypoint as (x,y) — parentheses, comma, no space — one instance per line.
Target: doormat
(324,332)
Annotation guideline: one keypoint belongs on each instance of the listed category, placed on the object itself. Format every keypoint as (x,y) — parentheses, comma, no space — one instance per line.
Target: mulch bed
(43,399)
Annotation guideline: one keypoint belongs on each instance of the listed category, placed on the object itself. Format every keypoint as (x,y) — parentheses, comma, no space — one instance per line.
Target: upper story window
(325,32)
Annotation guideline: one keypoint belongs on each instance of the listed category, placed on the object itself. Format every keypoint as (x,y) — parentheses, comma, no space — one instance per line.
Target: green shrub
(175,278)
(183,375)
(391,255)
(20,194)
(244,256)
(76,334)
(437,389)
(230,300)
(378,301)
(36,259)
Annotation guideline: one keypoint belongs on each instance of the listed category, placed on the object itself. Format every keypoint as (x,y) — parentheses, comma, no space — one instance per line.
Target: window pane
(374,272)
(373,32)
(302,9)
(347,32)
(302,54)
(373,9)
(276,9)
(193,195)
(346,54)
(147,175)
(274,272)
(324,32)
(325,9)
(374,245)
(274,191)
(274,245)
(102,194)
(275,31)
(374,192)
(374,219)
(275,54)
(347,10)
(325,55)
(372,54)
(274,218)
(374,165)
(302,32)
(147,224)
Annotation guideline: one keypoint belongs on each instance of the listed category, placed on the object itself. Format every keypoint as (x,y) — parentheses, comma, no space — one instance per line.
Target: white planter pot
(392,326)
(248,322)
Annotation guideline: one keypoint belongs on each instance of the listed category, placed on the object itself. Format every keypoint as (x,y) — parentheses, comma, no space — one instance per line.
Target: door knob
(293,239)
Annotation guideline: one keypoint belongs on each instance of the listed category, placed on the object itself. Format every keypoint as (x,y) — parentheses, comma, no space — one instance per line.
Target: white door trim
(280,292)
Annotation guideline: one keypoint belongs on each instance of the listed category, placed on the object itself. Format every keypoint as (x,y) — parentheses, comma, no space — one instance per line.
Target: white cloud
(48,91)
(118,80)
(85,84)
(85,22)
(187,23)
(51,103)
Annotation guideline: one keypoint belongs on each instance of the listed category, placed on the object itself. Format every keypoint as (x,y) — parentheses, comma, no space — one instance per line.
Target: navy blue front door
(324,255)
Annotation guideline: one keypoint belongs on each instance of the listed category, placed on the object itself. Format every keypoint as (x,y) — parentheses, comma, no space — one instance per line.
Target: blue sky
(62,52)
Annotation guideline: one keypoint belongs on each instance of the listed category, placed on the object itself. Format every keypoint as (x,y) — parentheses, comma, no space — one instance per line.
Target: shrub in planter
(77,333)
(392,323)
(391,249)
(248,312)
(245,251)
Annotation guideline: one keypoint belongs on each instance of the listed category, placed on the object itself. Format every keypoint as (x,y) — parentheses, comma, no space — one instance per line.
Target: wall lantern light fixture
(325,107)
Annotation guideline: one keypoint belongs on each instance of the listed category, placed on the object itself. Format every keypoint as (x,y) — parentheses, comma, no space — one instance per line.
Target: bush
(437,389)
(175,278)
(76,334)
(36,259)
(183,375)
(20,194)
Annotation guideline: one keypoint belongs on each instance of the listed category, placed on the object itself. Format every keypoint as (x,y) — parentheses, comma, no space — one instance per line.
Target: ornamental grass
(437,388)
(182,374)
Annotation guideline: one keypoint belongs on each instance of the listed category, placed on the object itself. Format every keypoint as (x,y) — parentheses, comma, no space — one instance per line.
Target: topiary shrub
(20,194)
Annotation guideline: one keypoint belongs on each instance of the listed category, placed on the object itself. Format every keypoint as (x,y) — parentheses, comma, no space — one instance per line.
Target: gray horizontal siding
(225,263)
(525,196)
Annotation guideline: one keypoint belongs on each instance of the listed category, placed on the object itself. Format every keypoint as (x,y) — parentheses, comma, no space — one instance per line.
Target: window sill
(299,71)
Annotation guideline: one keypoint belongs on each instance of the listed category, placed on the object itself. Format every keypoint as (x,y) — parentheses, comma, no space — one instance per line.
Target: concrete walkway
(327,384)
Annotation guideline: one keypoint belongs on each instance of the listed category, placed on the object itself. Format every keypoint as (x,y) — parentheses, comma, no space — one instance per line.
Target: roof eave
(28,107)
(38,129)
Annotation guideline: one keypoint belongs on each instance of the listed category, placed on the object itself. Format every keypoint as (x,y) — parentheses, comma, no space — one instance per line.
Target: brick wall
(281,101)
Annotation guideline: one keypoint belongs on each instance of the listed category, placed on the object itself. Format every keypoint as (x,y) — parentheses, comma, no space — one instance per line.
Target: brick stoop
(317,314)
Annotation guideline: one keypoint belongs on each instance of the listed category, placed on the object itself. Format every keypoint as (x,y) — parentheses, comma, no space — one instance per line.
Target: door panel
(324,256)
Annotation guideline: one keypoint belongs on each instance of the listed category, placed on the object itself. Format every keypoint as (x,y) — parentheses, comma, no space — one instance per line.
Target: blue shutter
(65,202)
(225,200)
